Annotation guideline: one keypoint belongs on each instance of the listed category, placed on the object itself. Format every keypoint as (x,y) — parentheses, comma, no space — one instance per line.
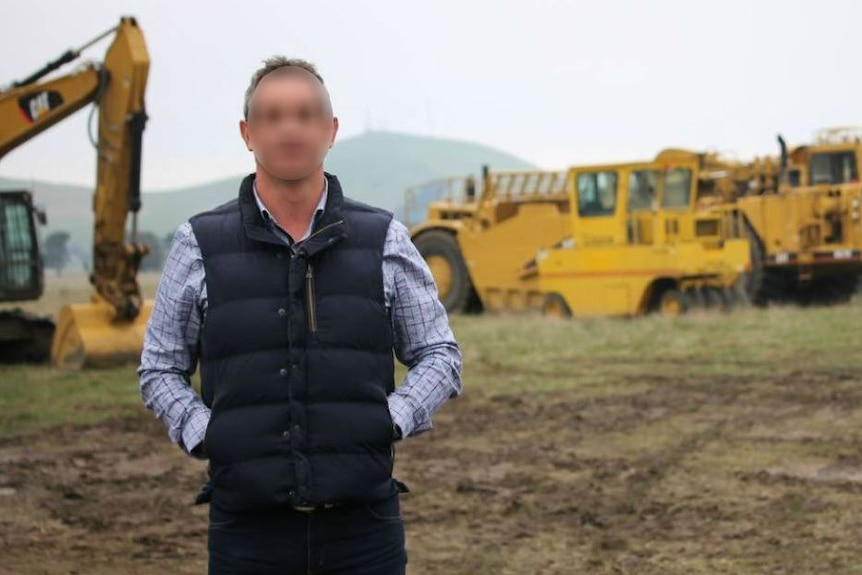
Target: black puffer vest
(296,356)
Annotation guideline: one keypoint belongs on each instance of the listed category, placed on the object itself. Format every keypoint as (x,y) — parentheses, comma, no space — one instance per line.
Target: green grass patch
(512,355)
(33,397)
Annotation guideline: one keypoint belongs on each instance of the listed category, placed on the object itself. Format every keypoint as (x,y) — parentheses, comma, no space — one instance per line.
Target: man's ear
(243,131)
(334,131)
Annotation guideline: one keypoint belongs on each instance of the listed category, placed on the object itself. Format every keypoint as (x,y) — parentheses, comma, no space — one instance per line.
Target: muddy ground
(712,476)
(612,447)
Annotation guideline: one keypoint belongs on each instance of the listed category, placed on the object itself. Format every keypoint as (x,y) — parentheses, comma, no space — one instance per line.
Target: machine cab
(836,166)
(833,160)
(21,277)
(633,204)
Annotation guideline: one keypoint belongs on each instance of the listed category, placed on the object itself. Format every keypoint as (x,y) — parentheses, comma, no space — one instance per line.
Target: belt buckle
(312,508)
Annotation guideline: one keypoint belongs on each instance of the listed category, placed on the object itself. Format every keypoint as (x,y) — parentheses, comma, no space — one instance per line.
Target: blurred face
(290,126)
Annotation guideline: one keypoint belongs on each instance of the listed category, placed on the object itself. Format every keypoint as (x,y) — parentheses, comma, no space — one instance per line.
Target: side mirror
(41,217)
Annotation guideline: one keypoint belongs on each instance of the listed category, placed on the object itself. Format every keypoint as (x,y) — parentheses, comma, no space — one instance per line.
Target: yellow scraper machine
(613,240)
(110,328)
(802,214)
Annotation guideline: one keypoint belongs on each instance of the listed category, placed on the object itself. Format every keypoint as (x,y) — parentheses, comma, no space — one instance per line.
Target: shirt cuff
(194,432)
(403,415)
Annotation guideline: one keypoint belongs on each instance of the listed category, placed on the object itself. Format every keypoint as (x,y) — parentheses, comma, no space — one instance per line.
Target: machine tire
(25,337)
(737,295)
(440,250)
(761,284)
(844,289)
(715,299)
(829,291)
(673,302)
(555,306)
(696,299)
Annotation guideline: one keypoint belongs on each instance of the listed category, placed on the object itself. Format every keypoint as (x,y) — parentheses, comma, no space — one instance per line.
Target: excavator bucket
(88,335)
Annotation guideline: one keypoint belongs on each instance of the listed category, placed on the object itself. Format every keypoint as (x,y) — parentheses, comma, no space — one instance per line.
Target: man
(294,298)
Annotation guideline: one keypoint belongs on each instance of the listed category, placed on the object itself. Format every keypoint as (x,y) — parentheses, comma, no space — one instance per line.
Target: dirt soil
(711,474)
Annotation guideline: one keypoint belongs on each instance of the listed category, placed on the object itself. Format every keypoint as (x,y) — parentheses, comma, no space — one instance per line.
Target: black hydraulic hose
(68,56)
(136,125)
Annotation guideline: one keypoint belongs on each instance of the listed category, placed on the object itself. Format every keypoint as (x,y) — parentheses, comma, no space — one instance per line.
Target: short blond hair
(277,63)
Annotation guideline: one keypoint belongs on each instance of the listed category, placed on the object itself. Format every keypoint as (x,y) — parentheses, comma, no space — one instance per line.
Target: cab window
(642,190)
(677,188)
(833,168)
(597,194)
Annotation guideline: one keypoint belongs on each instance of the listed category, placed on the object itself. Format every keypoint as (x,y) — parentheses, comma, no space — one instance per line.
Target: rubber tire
(555,299)
(762,285)
(696,299)
(829,292)
(684,302)
(715,299)
(843,290)
(731,299)
(29,337)
(737,295)
(461,296)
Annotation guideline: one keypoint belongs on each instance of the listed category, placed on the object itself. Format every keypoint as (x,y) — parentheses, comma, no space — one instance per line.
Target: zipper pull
(309,298)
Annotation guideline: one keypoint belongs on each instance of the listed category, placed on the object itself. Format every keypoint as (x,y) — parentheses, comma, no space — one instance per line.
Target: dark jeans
(355,539)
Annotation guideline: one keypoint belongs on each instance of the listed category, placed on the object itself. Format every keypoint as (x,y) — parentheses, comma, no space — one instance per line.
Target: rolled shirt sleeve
(424,341)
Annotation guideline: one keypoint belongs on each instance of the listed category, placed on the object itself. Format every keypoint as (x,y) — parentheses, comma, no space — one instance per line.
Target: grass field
(706,444)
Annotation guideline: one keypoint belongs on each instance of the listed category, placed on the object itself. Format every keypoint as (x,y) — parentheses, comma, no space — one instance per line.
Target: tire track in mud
(612,502)
(632,482)
(666,390)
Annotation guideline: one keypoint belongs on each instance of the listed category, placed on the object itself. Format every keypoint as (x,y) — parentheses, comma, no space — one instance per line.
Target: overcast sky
(556,82)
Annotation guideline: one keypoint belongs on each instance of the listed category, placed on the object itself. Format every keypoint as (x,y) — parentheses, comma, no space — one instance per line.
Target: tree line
(61,255)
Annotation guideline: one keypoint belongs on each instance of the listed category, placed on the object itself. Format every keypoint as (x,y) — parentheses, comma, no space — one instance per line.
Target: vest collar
(331,227)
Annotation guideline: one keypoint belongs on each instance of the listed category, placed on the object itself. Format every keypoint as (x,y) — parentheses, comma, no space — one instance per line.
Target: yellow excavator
(109,329)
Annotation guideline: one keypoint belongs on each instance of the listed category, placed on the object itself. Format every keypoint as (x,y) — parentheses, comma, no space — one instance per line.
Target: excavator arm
(110,328)
(27,111)
(118,185)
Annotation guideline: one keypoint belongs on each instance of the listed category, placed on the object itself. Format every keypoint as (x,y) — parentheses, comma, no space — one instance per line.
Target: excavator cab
(21,276)
(24,336)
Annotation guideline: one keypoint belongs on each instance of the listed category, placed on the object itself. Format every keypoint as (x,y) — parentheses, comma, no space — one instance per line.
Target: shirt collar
(321,205)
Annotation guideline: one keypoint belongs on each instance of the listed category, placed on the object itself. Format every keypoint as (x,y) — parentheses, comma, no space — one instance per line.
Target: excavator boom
(29,110)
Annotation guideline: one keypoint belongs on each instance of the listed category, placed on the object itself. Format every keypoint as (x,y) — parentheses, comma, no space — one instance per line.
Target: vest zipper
(309,281)
(309,297)
(323,229)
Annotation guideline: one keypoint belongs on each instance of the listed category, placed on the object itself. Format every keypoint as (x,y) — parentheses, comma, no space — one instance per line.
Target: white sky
(555,82)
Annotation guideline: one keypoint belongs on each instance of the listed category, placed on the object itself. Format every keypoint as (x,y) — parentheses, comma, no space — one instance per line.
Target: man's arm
(171,341)
(423,339)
